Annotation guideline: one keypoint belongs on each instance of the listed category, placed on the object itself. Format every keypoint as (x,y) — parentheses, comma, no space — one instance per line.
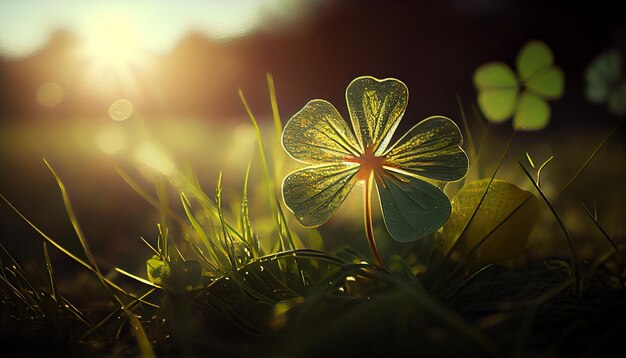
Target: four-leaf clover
(317,135)
(502,93)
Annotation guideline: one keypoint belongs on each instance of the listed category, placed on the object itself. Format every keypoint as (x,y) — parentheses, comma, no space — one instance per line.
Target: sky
(25,25)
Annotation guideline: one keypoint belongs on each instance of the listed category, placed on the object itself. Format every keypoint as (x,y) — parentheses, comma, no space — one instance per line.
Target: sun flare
(112,41)
(114,53)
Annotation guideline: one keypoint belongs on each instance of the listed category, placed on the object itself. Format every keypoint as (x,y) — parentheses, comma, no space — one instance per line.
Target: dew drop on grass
(350,278)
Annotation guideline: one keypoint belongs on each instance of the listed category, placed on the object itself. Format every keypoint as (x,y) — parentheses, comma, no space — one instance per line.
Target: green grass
(213,287)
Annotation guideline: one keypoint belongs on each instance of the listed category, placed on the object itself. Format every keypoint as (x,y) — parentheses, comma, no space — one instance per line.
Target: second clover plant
(317,135)
(503,94)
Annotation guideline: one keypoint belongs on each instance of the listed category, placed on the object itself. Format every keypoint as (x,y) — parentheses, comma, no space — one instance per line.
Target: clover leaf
(317,135)
(606,82)
(503,94)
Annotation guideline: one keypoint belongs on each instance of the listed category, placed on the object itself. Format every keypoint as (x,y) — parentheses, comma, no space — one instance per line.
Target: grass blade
(163,209)
(593,155)
(484,239)
(244,219)
(143,193)
(68,253)
(604,233)
(79,232)
(570,243)
(128,307)
(471,148)
(228,243)
(493,176)
(53,285)
(198,230)
(259,142)
(274,103)
(150,246)
(541,168)
(136,278)
(273,201)
(145,348)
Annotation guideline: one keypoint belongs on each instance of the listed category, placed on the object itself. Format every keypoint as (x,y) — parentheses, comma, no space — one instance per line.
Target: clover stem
(367,213)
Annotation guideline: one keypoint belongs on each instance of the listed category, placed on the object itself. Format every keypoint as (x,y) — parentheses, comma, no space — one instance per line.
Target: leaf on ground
(500,228)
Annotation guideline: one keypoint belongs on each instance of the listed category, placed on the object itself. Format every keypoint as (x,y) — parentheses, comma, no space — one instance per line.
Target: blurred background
(150,85)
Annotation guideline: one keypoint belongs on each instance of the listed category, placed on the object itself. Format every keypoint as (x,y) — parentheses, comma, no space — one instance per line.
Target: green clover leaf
(606,82)
(502,94)
(318,135)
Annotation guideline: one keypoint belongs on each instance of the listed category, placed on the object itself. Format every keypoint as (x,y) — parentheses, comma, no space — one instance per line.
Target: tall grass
(211,287)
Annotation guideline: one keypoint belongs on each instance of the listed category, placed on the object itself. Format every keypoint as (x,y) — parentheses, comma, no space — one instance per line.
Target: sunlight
(114,53)
(112,41)
(114,29)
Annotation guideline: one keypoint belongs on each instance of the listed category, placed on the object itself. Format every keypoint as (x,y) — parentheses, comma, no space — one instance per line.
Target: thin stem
(593,155)
(574,259)
(367,213)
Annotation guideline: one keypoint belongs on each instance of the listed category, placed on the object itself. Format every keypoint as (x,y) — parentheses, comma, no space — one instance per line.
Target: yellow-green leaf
(411,208)
(547,84)
(318,134)
(534,56)
(431,149)
(500,228)
(502,94)
(158,270)
(315,193)
(495,76)
(532,113)
(498,105)
(376,107)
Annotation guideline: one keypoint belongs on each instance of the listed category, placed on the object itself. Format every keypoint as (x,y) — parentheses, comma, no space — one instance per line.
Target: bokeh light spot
(120,110)
(111,139)
(50,94)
